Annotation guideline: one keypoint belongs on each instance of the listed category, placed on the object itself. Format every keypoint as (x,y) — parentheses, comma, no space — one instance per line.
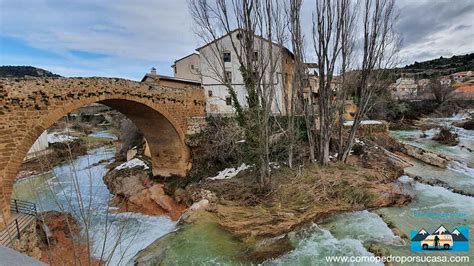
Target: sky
(125,38)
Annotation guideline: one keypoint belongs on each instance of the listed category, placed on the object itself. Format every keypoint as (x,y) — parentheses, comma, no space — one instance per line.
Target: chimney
(153,71)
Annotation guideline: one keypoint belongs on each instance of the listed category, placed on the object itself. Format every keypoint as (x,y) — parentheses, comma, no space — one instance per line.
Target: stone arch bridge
(160,109)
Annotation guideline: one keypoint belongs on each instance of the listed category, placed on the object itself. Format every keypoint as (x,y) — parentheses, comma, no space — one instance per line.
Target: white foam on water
(127,234)
(405,179)
(461,167)
(315,247)
(364,226)
(441,200)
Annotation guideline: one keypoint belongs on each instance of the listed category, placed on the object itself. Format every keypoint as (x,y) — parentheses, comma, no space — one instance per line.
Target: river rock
(201,205)
(180,195)
(144,203)
(127,182)
(194,211)
(469,125)
(157,194)
(426,156)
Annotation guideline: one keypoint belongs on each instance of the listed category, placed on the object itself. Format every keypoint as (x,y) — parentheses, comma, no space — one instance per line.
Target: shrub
(219,145)
(446,136)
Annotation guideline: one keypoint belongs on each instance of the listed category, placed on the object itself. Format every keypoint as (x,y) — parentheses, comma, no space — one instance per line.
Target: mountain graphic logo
(440,239)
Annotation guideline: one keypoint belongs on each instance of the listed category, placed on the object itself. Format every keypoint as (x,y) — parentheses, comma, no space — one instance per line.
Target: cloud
(435,28)
(150,32)
(125,38)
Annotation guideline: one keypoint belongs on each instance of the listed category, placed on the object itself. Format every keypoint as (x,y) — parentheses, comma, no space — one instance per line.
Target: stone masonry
(28,106)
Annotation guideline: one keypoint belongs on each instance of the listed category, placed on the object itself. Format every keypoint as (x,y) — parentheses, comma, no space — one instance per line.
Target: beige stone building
(404,88)
(212,70)
(188,68)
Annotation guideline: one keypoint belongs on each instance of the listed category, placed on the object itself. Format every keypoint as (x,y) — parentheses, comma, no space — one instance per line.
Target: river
(127,233)
(351,233)
(344,234)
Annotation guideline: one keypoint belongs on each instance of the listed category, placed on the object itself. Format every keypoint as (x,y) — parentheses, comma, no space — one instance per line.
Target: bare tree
(379,48)
(298,86)
(256,33)
(348,17)
(327,27)
(441,92)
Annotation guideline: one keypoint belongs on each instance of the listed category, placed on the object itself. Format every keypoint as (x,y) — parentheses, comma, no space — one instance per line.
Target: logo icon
(440,240)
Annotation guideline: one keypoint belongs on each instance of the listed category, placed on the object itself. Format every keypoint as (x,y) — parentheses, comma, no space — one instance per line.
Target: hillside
(24,71)
(441,66)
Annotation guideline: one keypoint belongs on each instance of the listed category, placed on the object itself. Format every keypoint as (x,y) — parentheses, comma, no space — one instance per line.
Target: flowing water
(349,234)
(124,234)
(352,233)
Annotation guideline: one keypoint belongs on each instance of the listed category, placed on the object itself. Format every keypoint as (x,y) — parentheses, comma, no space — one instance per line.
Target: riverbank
(135,189)
(303,220)
(231,221)
(258,224)
(60,240)
(307,194)
(64,146)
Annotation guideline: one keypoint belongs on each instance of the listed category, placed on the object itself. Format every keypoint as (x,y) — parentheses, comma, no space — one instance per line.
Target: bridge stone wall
(29,106)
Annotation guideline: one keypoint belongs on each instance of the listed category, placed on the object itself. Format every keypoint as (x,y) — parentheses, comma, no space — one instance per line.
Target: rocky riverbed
(363,208)
(247,231)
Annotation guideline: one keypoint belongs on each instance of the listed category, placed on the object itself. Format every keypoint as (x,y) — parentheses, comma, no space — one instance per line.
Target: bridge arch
(30,106)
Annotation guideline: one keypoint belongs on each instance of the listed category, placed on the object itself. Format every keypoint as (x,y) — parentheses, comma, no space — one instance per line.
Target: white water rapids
(344,234)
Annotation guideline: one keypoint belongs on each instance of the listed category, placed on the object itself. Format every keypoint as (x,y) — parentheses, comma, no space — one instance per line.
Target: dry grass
(447,136)
(301,195)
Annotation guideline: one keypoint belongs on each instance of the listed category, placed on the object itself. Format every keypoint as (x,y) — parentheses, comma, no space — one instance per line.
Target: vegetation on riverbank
(305,194)
(446,136)
(62,244)
(61,152)
(297,196)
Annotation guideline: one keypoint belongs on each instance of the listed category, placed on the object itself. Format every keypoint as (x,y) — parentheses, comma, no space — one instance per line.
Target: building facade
(188,68)
(217,65)
(404,88)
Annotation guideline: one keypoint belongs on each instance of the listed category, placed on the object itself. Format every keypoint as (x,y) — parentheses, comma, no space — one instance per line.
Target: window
(209,93)
(227,57)
(192,66)
(228,77)
(175,69)
(255,56)
(228,100)
(239,36)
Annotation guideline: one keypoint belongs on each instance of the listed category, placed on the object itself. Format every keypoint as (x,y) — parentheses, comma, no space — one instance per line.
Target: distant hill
(441,66)
(24,71)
